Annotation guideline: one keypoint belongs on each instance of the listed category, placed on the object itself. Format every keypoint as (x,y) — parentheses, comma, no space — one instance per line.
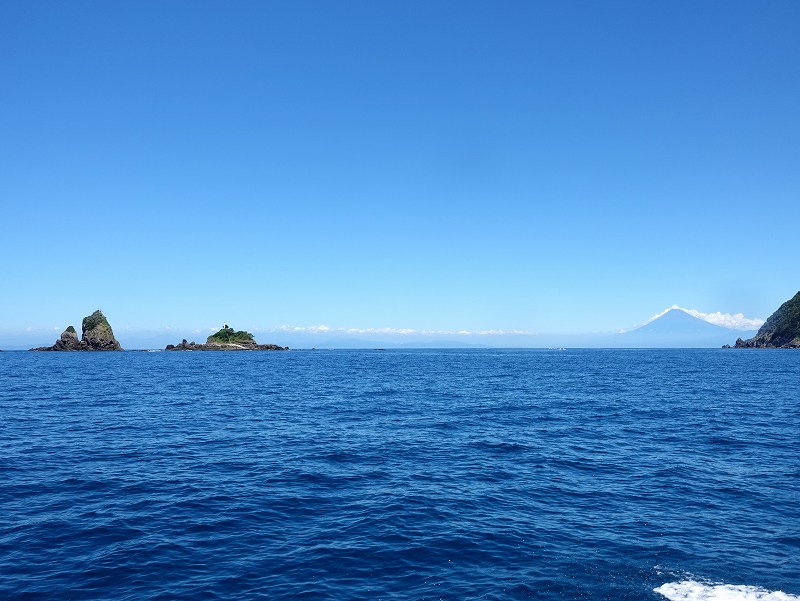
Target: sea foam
(690,590)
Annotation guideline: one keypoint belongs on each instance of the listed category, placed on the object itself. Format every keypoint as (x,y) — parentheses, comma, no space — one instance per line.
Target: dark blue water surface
(477,474)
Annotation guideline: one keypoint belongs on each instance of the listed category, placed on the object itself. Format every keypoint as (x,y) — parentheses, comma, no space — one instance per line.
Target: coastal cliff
(227,339)
(781,330)
(96,335)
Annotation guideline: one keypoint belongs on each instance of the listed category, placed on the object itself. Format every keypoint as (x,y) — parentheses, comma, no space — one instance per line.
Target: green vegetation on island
(228,335)
(95,321)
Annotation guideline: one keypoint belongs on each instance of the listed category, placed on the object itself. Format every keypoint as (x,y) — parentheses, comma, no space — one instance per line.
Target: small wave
(690,590)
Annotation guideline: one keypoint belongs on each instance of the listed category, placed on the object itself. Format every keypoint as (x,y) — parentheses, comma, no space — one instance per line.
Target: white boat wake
(690,590)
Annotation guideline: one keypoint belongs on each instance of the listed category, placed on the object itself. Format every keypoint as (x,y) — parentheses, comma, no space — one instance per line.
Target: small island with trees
(226,339)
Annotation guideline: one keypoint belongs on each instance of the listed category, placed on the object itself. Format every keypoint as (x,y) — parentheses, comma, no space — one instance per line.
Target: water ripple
(399,475)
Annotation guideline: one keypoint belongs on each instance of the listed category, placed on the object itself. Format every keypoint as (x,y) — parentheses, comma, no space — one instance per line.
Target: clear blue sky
(543,166)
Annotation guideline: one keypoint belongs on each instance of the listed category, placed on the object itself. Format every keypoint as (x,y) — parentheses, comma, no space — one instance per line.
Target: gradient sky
(538,166)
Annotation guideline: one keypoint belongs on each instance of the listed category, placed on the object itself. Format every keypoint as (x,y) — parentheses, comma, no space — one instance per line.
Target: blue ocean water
(478,474)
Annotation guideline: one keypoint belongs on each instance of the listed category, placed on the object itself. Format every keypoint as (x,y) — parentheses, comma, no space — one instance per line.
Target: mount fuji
(677,329)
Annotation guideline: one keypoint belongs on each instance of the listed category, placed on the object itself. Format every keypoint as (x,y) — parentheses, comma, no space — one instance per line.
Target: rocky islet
(96,335)
(226,339)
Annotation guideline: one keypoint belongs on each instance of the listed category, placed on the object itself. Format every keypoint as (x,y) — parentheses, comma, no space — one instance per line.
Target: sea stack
(68,341)
(781,330)
(227,339)
(97,335)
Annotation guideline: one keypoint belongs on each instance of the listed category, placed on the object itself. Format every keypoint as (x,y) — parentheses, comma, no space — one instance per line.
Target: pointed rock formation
(97,335)
(781,330)
(68,341)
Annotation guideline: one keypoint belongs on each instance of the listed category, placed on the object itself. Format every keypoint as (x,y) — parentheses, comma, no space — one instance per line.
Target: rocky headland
(781,330)
(96,335)
(227,339)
